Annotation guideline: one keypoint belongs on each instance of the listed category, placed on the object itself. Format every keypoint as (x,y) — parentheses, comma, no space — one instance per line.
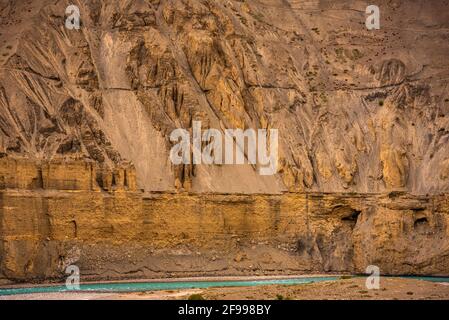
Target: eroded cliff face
(356,110)
(113,231)
(85,119)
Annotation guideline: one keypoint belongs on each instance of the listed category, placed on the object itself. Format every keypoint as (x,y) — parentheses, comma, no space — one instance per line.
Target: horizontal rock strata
(117,233)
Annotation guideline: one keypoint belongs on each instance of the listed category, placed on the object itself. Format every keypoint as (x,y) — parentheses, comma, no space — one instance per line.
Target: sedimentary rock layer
(356,110)
(86,115)
(124,233)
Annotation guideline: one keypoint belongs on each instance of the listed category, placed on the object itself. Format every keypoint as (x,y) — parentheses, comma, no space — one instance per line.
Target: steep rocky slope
(86,115)
(356,110)
(54,215)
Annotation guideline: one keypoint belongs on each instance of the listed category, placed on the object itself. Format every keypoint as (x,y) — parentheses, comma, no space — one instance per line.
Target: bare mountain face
(357,110)
(86,117)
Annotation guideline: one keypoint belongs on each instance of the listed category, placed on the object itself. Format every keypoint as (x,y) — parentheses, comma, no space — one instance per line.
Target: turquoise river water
(176,285)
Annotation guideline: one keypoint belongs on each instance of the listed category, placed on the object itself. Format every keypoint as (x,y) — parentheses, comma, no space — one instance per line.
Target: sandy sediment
(345,289)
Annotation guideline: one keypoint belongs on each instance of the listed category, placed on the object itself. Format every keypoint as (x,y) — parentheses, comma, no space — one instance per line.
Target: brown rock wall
(126,234)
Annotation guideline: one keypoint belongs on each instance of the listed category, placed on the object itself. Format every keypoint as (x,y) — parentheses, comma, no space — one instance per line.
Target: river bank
(342,289)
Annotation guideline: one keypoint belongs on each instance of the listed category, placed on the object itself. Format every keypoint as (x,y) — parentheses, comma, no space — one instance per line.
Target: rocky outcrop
(118,232)
(86,115)
(66,174)
(357,110)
